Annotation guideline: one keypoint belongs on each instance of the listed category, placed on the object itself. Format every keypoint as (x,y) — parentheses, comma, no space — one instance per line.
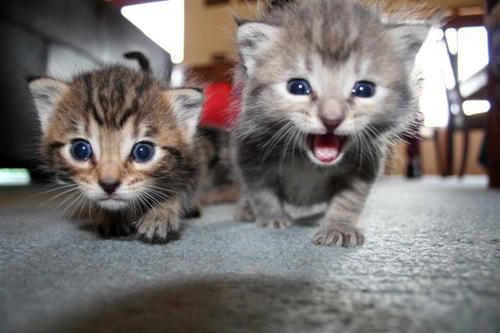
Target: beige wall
(444,3)
(209,29)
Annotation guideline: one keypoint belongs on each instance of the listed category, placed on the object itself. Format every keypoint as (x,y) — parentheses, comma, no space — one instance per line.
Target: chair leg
(413,168)
(439,158)
(448,171)
(465,152)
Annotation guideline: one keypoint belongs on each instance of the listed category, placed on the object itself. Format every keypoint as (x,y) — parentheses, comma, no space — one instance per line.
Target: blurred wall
(210,29)
(57,38)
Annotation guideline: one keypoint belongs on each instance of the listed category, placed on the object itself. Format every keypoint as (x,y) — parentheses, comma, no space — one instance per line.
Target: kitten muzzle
(326,148)
(111,203)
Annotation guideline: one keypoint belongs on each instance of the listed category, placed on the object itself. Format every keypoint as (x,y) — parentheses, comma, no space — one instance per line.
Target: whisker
(150,196)
(359,149)
(67,192)
(145,203)
(290,136)
(162,195)
(78,203)
(54,187)
(161,189)
(75,199)
(275,140)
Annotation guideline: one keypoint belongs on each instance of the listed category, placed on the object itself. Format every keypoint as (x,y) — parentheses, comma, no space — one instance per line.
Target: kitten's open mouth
(325,148)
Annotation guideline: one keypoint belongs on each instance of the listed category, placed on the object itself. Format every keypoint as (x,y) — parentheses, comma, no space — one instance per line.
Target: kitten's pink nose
(109,186)
(109,176)
(331,114)
(331,123)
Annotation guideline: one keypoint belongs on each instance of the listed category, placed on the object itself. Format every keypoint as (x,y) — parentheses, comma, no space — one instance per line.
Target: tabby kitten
(326,85)
(126,143)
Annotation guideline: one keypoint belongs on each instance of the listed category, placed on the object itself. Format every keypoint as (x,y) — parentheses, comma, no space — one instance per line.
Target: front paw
(244,213)
(157,227)
(278,222)
(344,235)
(192,213)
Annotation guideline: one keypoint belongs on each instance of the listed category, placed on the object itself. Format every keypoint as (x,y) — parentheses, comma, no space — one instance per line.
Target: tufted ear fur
(408,39)
(46,93)
(187,103)
(252,38)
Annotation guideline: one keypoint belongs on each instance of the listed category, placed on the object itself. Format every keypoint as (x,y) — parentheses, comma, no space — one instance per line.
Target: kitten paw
(192,213)
(339,235)
(244,213)
(157,227)
(273,222)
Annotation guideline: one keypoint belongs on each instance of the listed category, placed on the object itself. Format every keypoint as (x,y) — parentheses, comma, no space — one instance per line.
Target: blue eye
(364,89)
(299,87)
(81,150)
(143,152)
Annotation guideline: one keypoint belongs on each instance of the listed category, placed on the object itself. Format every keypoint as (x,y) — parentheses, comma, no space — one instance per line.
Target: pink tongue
(326,147)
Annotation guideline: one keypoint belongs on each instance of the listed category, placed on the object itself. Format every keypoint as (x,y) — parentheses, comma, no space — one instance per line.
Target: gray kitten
(325,87)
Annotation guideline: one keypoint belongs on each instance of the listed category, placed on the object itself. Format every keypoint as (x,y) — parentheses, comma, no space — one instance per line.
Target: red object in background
(219,108)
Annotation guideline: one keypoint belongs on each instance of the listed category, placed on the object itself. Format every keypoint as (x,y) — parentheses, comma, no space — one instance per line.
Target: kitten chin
(128,144)
(319,107)
(113,204)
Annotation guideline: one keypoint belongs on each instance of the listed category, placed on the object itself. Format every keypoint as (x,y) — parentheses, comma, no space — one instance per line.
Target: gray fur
(333,44)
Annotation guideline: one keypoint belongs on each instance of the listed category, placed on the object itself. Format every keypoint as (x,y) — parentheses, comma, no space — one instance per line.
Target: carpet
(431,263)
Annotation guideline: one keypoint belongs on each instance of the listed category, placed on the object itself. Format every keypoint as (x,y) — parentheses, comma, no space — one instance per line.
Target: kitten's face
(118,135)
(333,70)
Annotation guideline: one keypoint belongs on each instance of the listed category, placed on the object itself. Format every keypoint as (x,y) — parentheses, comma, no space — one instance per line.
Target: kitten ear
(187,103)
(251,39)
(46,93)
(408,40)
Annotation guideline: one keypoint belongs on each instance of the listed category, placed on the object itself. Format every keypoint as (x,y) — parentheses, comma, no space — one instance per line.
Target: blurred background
(192,39)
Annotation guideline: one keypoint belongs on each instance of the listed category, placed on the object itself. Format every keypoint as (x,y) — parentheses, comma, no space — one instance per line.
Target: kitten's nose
(109,186)
(331,114)
(331,123)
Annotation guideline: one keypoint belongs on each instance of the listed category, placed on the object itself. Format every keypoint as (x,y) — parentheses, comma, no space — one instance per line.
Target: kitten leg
(191,208)
(113,224)
(244,212)
(160,222)
(222,194)
(268,209)
(192,212)
(341,216)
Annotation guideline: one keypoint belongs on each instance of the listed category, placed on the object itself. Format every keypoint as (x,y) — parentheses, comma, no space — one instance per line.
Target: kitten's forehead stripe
(174,151)
(119,92)
(102,104)
(137,128)
(152,131)
(90,104)
(126,115)
(145,84)
(86,127)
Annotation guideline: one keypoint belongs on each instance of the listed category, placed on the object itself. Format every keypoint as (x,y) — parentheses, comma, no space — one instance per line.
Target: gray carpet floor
(431,263)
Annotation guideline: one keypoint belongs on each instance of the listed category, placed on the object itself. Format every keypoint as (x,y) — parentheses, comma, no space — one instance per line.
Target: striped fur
(333,44)
(113,109)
